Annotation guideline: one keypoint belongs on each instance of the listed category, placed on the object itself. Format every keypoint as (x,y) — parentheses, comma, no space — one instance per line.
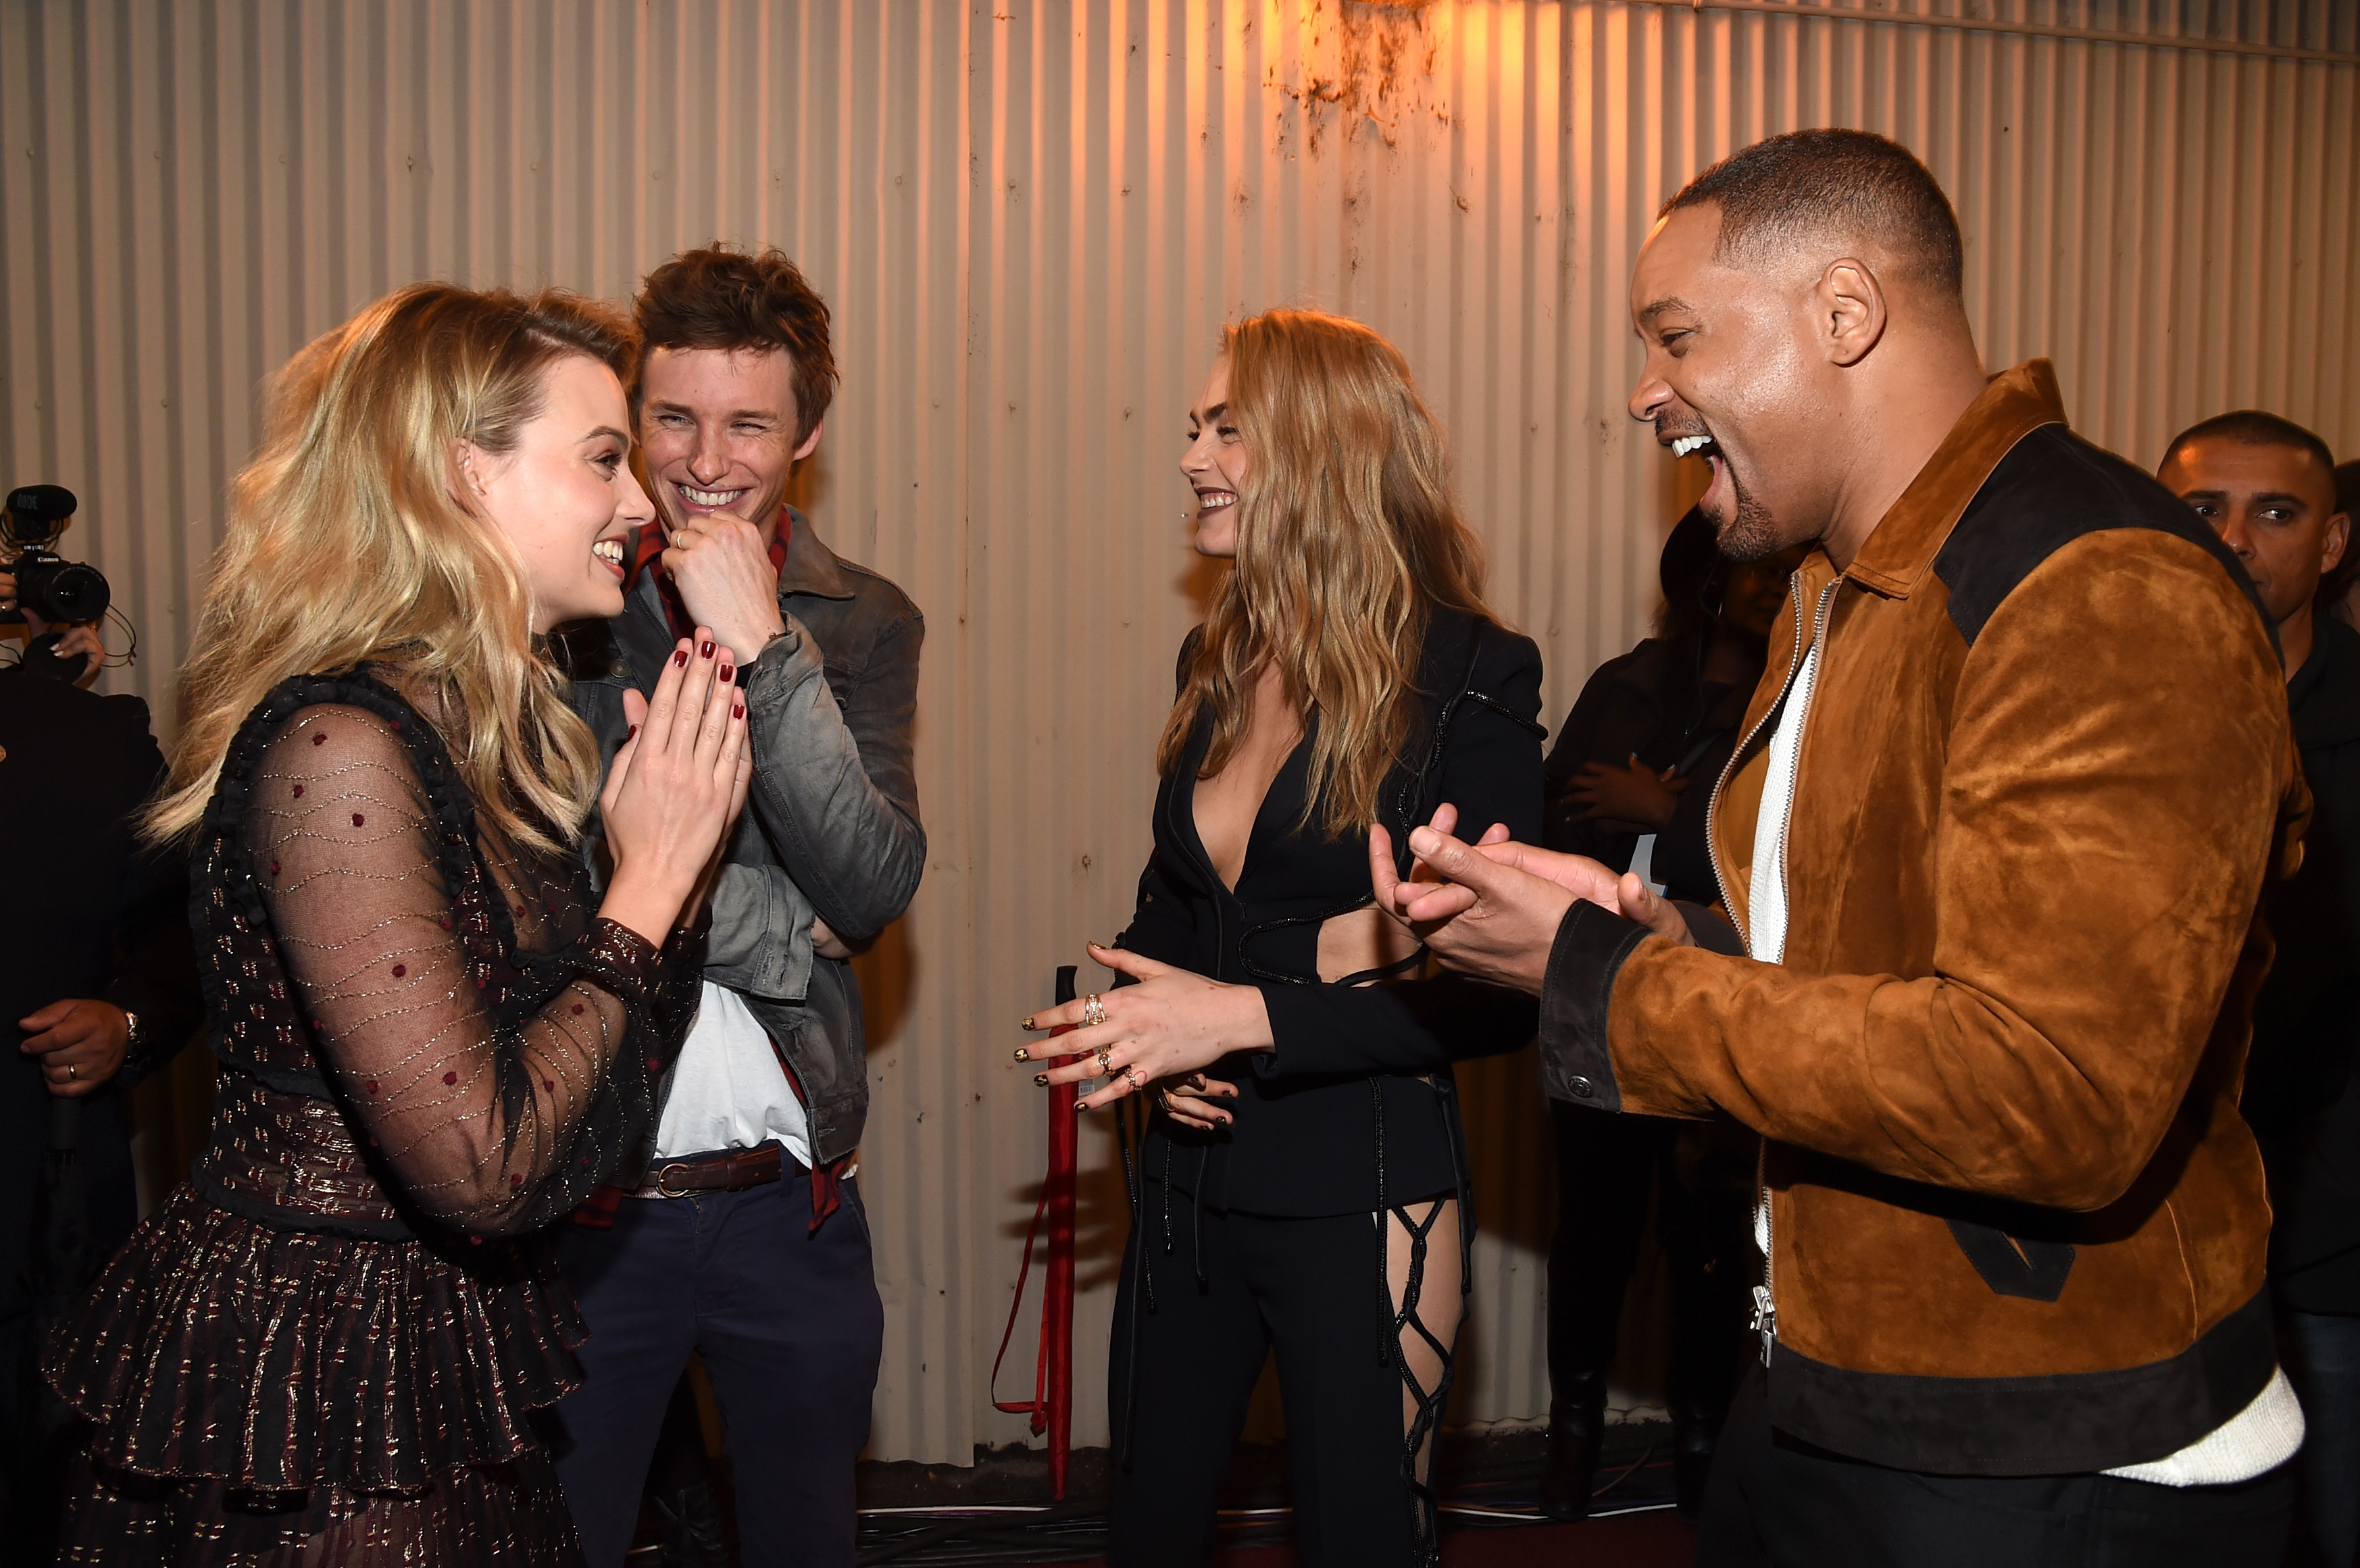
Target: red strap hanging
(1052,1405)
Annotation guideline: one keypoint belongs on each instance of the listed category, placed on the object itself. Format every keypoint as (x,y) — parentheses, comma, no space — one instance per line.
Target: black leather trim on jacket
(2014,1264)
(1713,931)
(2064,1424)
(2052,488)
(1589,953)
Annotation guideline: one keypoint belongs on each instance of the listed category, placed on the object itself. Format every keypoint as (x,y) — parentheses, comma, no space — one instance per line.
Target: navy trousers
(791,1329)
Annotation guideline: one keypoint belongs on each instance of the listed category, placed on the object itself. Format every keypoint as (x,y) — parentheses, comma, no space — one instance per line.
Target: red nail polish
(729,671)
(705,649)
(635,730)
(680,659)
(737,710)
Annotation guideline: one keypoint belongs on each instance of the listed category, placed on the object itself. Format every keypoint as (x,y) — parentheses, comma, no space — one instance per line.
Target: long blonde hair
(347,545)
(1347,541)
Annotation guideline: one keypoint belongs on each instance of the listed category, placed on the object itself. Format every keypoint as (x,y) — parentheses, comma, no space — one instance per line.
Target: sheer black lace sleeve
(496,1085)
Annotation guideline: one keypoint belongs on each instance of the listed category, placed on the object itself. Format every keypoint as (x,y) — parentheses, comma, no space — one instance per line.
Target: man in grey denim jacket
(740,1234)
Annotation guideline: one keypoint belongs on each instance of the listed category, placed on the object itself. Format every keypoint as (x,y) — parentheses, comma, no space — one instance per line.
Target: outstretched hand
(1490,909)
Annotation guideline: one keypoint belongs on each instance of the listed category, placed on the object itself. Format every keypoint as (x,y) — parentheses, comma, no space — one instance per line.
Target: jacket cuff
(784,663)
(1298,1036)
(1577,1063)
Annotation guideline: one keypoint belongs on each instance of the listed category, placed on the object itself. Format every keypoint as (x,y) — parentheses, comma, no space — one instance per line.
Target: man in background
(744,1241)
(98,987)
(2267,487)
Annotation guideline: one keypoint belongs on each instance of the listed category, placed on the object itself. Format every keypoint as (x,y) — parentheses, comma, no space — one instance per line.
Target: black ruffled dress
(325,1345)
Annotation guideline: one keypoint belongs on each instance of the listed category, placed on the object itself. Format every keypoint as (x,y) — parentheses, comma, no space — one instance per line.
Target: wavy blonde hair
(347,545)
(1347,541)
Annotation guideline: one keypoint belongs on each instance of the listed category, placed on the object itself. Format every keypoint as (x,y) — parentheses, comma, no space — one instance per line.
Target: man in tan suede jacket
(1990,852)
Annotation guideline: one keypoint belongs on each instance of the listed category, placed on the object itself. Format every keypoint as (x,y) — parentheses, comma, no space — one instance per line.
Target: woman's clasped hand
(1160,1034)
(675,789)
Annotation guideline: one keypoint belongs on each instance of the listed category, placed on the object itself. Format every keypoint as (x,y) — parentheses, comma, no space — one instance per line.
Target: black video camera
(63,593)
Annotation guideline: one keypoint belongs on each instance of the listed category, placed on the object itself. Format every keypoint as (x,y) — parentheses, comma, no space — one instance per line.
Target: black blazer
(97,916)
(1350,1059)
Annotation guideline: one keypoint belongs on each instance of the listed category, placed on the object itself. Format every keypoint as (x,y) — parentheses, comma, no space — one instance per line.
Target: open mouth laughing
(610,552)
(1721,496)
(1215,500)
(706,500)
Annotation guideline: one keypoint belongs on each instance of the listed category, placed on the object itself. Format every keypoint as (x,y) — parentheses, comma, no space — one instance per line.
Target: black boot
(690,1519)
(1694,1434)
(1577,1425)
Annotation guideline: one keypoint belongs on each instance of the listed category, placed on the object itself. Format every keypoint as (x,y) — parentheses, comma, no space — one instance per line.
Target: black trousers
(1776,1501)
(1307,1288)
(1605,1166)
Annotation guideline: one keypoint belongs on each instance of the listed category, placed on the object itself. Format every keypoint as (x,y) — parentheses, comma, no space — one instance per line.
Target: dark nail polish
(1028,1022)
(680,659)
(729,671)
(737,710)
(1041,1079)
(705,649)
(1022,1054)
(635,730)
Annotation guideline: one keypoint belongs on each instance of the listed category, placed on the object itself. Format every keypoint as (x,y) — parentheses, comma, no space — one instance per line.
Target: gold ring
(1131,1076)
(1106,1063)
(1093,1010)
(72,1071)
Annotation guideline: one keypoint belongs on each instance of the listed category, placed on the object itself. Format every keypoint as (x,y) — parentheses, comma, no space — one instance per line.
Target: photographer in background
(98,983)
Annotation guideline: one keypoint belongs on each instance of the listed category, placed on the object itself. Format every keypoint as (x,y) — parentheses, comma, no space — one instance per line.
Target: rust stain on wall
(1359,63)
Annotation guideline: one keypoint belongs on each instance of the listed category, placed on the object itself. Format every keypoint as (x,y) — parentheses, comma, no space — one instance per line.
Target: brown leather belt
(726,1170)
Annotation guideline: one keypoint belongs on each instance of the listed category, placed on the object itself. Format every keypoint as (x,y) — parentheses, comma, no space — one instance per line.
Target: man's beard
(1752,534)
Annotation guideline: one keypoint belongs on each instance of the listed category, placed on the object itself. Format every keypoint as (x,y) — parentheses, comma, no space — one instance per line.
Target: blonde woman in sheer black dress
(325,1347)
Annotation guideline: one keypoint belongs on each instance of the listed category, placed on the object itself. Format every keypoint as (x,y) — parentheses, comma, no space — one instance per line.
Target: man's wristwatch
(130,1031)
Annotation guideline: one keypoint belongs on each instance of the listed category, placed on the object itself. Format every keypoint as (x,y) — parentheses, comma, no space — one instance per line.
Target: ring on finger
(1093,1010)
(72,1071)
(1131,1076)
(1106,1060)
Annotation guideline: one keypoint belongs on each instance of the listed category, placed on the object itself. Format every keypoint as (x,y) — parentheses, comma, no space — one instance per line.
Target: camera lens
(65,593)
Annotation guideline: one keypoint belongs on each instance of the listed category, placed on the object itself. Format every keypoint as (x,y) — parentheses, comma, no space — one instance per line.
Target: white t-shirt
(727,1089)
(2257,1439)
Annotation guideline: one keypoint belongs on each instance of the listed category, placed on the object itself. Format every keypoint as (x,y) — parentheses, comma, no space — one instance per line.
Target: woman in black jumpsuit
(1310,1197)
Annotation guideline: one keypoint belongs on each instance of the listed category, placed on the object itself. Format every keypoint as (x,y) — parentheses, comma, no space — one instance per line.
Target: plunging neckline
(1262,808)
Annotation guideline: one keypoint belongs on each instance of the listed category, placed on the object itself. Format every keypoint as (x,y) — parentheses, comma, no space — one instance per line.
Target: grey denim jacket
(831,825)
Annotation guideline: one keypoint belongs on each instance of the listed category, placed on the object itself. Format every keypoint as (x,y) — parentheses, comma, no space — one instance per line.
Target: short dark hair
(1782,187)
(732,299)
(2252,427)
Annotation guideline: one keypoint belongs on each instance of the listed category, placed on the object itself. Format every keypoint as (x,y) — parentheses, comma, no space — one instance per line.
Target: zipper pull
(1765,1320)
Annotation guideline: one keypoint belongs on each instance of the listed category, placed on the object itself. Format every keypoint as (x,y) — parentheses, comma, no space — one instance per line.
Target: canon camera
(62,593)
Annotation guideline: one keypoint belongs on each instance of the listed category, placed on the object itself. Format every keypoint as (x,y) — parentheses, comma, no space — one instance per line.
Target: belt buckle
(663,1180)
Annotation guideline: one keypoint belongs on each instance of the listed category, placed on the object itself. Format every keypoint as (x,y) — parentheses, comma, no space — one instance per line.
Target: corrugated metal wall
(1031,219)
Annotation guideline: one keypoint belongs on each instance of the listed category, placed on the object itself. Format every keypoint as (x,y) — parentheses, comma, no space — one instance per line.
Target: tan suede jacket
(2017,1225)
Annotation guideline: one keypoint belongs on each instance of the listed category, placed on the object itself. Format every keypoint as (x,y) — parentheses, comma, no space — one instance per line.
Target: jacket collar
(811,567)
(1900,551)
